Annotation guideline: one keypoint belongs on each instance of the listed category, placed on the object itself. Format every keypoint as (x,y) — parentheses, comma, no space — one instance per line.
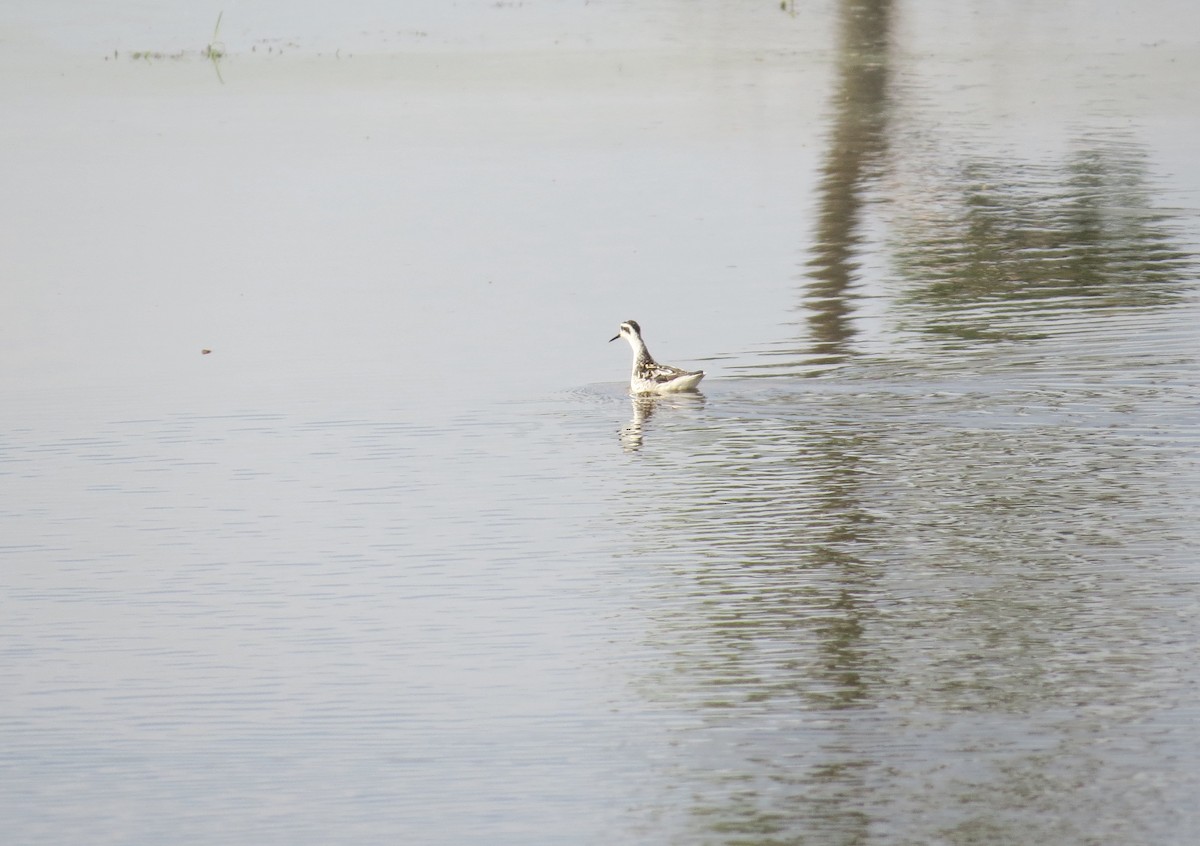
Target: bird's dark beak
(614,337)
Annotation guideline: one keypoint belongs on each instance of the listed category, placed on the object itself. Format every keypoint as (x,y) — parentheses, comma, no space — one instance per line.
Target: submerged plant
(215,50)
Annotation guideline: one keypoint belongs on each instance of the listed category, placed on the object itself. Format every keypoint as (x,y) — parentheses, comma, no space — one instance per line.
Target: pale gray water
(400,562)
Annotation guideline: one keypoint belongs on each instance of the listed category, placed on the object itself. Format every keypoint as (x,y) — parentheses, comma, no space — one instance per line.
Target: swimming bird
(650,377)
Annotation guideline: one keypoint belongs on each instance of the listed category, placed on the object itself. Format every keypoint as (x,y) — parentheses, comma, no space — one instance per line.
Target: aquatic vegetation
(215,48)
(147,55)
(214,51)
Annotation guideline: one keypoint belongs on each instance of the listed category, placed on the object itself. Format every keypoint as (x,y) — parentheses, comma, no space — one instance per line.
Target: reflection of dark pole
(857,141)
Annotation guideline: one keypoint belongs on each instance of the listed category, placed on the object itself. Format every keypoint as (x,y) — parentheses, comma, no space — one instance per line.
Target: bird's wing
(662,372)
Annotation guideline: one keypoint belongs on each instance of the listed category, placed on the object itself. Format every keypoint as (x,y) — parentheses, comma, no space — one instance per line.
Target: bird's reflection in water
(633,433)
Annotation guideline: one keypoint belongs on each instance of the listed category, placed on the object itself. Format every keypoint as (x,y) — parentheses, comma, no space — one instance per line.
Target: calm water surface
(399,561)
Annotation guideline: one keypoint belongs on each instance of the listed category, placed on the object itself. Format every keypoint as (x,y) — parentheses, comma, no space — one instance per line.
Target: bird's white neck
(640,353)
